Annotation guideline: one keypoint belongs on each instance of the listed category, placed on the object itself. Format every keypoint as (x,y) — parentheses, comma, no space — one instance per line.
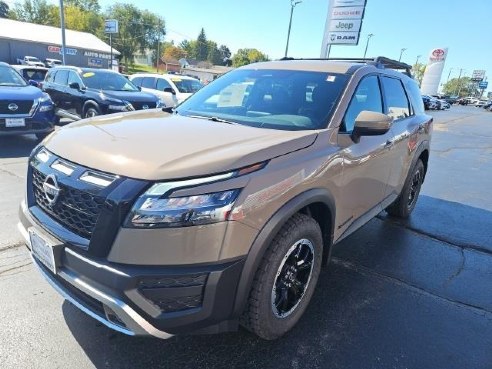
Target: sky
(417,25)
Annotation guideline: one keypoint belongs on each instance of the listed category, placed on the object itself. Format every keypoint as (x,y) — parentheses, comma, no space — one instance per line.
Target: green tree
(173,52)
(247,56)
(4,9)
(78,19)
(418,71)
(34,11)
(460,86)
(87,5)
(190,48)
(214,55)
(137,29)
(201,46)
(225,53)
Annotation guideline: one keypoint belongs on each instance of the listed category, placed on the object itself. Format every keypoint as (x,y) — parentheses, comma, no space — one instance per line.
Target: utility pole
(417,61)
(459,82)
(367,43)
(293,4)
(449,74)
(62,26)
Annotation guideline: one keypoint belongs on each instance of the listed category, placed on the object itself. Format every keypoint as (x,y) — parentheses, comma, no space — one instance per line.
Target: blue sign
(93,62)
(483,85)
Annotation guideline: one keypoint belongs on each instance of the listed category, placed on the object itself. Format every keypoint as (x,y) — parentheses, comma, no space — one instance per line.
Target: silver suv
(223,211)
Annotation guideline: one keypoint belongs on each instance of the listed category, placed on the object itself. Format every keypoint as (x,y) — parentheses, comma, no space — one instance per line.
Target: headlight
(152,210)
(45,98)
(126,106)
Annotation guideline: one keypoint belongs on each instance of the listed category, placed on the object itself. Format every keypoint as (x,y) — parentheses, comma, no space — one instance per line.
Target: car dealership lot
(397,294)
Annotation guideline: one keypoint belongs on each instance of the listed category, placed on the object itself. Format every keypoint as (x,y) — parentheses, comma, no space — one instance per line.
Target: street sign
(478,75)
(483,85)
(345,25)
(111,26)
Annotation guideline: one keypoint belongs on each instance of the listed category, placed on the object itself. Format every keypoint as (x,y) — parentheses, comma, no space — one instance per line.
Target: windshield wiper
(213,119)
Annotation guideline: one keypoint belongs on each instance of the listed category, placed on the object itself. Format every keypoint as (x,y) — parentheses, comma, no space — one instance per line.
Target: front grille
(75,209)
(23,107)
(173,304)
(139,105)
(179,281)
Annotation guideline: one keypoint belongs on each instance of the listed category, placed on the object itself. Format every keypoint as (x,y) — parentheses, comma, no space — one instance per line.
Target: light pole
(367,43)
(458,87)
(449,74)
(62,26)
(401,53)
(293,4)
(417,61)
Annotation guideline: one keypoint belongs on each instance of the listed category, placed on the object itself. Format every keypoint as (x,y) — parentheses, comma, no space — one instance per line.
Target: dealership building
(18,39)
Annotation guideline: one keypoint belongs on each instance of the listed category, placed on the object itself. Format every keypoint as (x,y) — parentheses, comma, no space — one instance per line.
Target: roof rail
(379,62)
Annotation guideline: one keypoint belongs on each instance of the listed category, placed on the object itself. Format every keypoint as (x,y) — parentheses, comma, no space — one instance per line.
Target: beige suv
(223,211)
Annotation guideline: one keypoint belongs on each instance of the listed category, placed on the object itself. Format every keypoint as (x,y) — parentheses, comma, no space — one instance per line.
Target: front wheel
(405,203)
(91,112)
(286,279)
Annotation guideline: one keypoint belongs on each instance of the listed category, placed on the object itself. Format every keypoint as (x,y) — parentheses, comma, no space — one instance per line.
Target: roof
(15,30)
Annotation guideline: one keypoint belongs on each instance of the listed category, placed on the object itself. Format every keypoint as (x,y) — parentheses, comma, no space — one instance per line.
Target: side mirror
(170,90)
(370,123)
(75,86)
(139,88)
(33,83)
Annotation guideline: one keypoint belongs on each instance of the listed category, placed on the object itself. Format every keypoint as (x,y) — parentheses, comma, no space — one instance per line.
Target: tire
(91,111)
(282,288)
(404,205)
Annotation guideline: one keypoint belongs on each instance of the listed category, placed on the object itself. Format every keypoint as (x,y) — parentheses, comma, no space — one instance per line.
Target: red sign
(438,53)
(54,49)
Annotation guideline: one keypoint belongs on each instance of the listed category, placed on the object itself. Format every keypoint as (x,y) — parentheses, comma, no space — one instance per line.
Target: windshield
(277,99)
(108,81)
(187,85)
(33,74)
(9,77)
(32,58)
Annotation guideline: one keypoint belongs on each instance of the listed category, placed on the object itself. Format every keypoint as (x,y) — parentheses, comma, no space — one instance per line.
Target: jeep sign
(345,25)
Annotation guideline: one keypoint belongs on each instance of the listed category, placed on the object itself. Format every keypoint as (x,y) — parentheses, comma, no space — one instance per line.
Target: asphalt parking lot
(397,294)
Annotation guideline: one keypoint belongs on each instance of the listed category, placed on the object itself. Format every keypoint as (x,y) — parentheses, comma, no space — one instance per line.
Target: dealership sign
(58,50)
(93,54)
(343,23)
(483,85)
(478,75)
(111,26)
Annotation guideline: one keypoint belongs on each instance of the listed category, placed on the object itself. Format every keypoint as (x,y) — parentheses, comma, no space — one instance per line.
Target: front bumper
(143,300)
(41,122)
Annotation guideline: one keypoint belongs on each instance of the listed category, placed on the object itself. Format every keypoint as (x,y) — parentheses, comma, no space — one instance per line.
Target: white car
(180,87)
(30,60)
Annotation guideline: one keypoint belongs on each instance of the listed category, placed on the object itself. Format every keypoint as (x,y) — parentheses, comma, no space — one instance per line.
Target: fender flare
(269,231)
(91,103)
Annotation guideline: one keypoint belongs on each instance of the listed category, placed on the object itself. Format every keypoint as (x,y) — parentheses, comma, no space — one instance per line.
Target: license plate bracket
(44,250)
(15,122)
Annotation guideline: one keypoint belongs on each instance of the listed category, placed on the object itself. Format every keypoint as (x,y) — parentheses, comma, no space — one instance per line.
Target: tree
(418,71)
(137,29)
(34,11)
(460,86)
(225,53)
(201,46)
(4,9)
(87,5)
(173,52)
(214,56)
(78,19)
(247,56)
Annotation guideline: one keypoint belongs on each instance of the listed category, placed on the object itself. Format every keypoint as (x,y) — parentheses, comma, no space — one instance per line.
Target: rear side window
(137,81)
(415,97)
(396,98)
(162,84)
(148,82)
(366,97)
(61,77)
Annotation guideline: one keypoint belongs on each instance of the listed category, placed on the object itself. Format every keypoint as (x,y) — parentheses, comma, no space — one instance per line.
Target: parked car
(479,103)
(224,211)
(158,85)
(30,60)
(32,73)
(50,63)
(430,103)
(87,92)
(183,86)
(442,104)
(24,109)
(488,104)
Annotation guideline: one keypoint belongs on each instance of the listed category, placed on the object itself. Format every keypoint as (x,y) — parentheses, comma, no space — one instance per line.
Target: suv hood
(154,145)
(130,95)
(9,93)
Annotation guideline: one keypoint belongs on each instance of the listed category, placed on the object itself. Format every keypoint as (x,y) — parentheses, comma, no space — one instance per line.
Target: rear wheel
(405,203)
(286,279)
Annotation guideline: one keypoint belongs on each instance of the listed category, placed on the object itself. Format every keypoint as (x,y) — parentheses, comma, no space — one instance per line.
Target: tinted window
(366,97)
(137,81)
(61,77)
(106,80)
(275,99)
(395,97)
(414,93)
(148,82)
(162,84)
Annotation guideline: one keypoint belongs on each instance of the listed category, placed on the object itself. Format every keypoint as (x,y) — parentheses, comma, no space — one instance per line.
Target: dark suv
(88,92)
